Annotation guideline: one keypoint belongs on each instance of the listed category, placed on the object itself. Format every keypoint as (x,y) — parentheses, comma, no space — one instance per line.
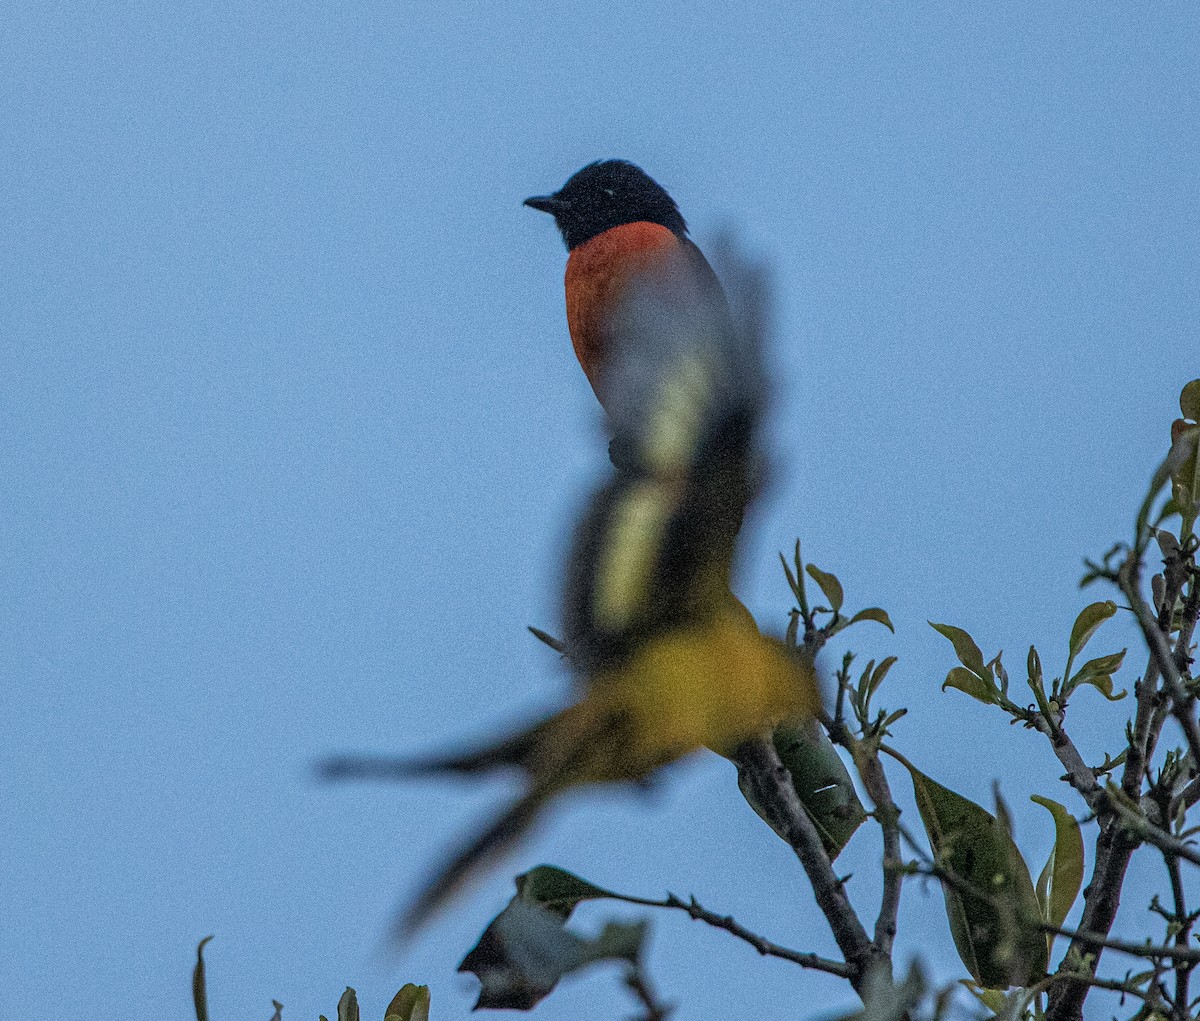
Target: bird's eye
(610,192)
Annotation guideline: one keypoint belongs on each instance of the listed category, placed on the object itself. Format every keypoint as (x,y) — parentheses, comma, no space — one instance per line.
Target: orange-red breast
(621,227)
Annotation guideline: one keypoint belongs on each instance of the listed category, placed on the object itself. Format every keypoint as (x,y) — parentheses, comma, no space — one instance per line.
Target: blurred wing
(684,396)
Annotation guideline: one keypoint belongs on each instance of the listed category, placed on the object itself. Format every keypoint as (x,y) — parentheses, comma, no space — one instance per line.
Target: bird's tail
(511,752)
(474,859)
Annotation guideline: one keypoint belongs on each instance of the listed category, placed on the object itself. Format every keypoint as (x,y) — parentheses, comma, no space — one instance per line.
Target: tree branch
(1183,702)
(759,765)
(887,814)
(1116,843)
(1148,832)
(1183,935)
(1079,774)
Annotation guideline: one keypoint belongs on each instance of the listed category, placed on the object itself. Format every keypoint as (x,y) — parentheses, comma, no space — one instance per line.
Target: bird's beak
(548,204)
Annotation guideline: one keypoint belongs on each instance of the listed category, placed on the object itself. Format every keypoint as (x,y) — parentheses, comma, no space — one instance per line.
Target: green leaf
(829,585)
(1089,619)
(964,680)
(1098,673)
(1033,664)
(348,1006)
(547,639)
(1189,401)
(1162,476)
(199,984)
(821,781)
(964,647)
(995,669)
(557,889)
(527,949)
(793,584)
(410,1004)
(996,938)
(1109,664)
(878,674)
(797,579)
(1185,475)
(1061,879)
(1103,683)
(876,614)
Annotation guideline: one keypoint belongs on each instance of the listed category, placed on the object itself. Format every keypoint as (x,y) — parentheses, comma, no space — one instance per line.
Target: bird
(666,662)
(624,231)
(620,226)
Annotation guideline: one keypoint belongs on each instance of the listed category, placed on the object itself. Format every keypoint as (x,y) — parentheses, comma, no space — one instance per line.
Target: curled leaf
(1033,664)
(1185,474)
(1162,475)
(964,648)
(792,581)
(878,674)
(829,585)
(995,668)
(1167,544)
(1103,683)
(199,984)
(1098,673)
(964,680)
(876,614)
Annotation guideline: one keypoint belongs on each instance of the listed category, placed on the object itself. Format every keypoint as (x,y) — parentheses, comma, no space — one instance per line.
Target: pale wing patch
(678,416)
(628,556)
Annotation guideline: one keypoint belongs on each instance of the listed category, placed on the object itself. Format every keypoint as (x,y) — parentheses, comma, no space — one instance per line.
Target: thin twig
(1113,985)
(1183,936)
(1153,706)
(762,945)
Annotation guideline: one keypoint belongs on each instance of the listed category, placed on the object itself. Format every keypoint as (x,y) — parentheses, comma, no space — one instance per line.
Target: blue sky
(291,438)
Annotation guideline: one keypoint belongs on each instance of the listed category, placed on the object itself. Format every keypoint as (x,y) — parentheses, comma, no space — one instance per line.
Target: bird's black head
(605,195)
